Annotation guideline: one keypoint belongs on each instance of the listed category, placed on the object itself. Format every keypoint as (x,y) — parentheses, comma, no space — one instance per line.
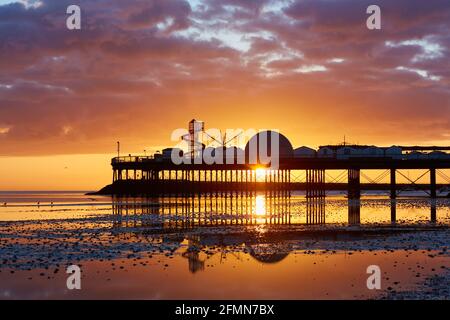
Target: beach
(174,248)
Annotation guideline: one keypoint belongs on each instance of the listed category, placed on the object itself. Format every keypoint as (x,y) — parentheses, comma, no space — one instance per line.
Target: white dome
(285,149)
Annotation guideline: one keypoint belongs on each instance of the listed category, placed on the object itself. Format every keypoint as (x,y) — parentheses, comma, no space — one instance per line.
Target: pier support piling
(393,184)
(433,183)
(315,183)
(354,185)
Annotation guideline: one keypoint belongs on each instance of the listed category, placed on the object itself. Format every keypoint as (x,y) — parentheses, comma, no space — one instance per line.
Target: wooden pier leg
(271,179)
(315,186)
(210,181)
(265,180)
(321,189)
(286,179)
(280,180)
(316,182)
(433,183)
(393,184)
(216,181)
(324,183)
(308,186)
(354,187)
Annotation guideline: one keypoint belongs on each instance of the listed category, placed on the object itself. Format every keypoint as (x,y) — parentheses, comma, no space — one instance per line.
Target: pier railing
(131,159)
(353,157)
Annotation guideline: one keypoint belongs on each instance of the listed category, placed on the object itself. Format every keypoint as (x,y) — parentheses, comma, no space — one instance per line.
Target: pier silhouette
(235,169)
(135,176)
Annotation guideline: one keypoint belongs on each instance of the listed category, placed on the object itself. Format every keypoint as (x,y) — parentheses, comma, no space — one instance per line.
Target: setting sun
(260,174)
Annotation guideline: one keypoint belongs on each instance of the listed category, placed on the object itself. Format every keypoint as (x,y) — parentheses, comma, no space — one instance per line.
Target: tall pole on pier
(118,149)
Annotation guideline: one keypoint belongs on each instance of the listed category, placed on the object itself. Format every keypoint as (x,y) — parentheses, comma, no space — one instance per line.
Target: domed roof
(266,137)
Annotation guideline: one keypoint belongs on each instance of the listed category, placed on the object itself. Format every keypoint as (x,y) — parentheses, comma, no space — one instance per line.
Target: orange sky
(140,69)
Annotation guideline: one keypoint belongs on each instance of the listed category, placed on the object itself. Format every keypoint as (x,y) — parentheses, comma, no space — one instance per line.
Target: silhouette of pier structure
(141,175)
(159,174)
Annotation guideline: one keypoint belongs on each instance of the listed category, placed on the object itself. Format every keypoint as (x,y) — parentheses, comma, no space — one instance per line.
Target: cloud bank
(139,69)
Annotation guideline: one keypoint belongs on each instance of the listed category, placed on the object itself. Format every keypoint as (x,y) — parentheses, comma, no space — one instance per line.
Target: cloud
(422,73)
(140,68)
(311,68)
(4,130)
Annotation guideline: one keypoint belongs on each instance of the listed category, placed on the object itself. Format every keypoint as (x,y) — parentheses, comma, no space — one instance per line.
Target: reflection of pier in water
(267,253)
(166,219)
(233,209)
(221,209)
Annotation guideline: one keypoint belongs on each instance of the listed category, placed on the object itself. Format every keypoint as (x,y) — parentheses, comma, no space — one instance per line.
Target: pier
(235,169)
(147,175)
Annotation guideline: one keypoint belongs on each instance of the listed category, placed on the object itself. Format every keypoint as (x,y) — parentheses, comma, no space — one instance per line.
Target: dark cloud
(276,63)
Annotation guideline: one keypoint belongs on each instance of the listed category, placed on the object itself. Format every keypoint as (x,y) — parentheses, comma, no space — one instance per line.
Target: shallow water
(260,208)
(252,246)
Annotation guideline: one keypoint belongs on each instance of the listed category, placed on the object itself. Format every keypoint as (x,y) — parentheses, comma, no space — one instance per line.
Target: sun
(260,174)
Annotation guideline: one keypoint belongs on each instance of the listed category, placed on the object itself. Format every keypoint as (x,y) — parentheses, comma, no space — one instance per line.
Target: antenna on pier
(118,149)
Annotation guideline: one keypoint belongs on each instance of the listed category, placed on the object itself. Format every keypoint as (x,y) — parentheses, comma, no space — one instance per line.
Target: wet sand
(139,255)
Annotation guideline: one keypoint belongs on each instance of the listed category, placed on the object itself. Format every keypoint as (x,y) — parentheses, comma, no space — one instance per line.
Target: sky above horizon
(139,69)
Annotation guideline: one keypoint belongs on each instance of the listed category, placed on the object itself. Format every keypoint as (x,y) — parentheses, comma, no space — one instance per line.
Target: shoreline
(133,188)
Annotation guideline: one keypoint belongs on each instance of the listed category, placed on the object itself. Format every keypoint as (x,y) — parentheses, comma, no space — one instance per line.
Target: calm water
(254,246)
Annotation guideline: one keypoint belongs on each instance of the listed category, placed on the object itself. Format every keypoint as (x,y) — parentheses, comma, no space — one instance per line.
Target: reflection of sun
(260,174)
(260,206)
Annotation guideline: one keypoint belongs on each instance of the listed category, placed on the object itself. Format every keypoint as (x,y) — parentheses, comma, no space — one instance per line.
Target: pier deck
(158,175)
